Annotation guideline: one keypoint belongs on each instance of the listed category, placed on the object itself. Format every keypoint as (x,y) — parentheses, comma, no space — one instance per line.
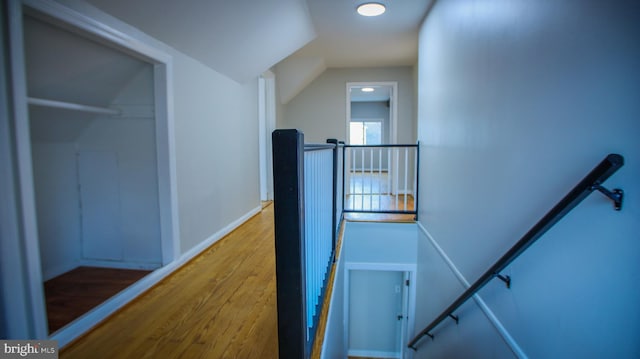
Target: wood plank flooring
(72,294)
(379,217)
(222,304)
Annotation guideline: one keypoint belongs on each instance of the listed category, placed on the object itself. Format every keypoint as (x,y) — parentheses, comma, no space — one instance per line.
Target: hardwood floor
(373,202)
(379,217)
(371,192)
(72,294)
(222,304)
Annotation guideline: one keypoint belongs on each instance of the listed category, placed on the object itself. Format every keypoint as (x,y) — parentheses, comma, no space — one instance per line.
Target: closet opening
(100,153)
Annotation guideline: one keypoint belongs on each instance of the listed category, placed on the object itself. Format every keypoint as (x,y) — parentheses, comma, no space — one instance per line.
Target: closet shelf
(72,106)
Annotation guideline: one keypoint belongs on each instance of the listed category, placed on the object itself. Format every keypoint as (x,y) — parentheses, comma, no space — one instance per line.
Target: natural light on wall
(365,133)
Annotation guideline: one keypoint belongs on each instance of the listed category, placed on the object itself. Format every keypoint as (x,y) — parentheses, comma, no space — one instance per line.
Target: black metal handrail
(385,146)
(593,181)
(318,147)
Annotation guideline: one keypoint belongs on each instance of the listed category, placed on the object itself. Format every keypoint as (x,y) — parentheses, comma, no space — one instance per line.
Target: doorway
(267,124)
(94,134)
(372,104)
(378,300)
(373,167)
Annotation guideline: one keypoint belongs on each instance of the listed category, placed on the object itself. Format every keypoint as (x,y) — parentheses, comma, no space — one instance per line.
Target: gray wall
(517,103)
(216,149)
(216,138)
(216,152)
(375,110)
(55,145)
(320,109)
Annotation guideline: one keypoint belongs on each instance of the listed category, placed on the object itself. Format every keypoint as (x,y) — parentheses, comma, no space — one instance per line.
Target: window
(365,133)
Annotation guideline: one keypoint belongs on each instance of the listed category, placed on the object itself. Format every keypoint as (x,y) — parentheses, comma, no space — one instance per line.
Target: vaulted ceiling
(243,38)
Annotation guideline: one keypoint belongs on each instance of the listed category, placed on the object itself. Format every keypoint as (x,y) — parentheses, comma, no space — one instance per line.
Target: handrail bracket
(591,182)
(505,278)
(454,317)
(616,195)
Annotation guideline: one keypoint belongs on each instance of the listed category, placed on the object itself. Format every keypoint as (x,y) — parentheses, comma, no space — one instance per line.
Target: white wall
(517,102)
(133,141)
(217,150)
(55,178)
(380,243)
(374,302)
(319,110)
(381,246)
(216,138)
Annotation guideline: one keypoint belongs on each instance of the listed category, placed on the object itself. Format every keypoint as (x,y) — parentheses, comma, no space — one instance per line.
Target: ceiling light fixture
(368,89)
(371,9)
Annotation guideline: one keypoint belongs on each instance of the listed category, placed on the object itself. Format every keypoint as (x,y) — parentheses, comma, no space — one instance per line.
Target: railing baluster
(306,197)
(379,177)
(370,178)
(406,175)
(354,173)
(362,180)
(396,173)
(389,171)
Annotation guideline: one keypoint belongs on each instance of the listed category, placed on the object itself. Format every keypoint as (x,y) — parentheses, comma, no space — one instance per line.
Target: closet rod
(71,106)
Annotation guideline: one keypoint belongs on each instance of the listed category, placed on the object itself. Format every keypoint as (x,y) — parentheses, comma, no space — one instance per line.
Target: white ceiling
(346,39)
(244,38)
(63,66)
(379,93)
(238,38)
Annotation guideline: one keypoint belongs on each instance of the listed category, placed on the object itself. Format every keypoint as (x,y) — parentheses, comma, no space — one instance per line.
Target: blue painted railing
(308,208)
(318,213)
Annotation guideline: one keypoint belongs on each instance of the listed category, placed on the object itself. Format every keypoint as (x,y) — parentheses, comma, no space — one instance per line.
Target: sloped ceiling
(243,38)
(295,73)
(346,39)
(238,38)
(66,67)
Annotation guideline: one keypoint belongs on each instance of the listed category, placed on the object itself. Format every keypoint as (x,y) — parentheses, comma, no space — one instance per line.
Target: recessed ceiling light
(368,89)
(371,9)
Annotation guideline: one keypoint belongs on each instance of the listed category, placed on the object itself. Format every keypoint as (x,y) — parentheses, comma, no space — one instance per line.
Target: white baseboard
(373,354)
(49,273)
(118,264)
(405,191)
(506,336)
(218,235)
(78,327)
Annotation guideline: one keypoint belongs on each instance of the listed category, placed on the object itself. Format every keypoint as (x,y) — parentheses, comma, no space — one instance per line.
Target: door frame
(267,124)
(393,118)
(409,271)
(393,111)
(165,148)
